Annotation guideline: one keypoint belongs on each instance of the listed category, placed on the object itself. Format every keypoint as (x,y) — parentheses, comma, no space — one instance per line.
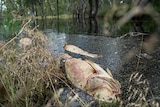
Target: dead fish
(105,75)
(77,50)
(93,79)
(100,89)
(78,71)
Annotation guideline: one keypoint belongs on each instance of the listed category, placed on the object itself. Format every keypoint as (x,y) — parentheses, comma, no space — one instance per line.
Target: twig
(138,60)
(133,34)
(53,87)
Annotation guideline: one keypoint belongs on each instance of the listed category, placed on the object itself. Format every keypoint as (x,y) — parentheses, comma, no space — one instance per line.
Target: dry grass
(31,76)
(27,74)
(139,93)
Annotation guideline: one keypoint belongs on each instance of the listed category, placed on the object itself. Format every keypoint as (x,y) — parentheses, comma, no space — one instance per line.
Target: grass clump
(27,72)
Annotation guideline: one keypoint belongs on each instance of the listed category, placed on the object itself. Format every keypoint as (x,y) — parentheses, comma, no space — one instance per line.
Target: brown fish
(91,78)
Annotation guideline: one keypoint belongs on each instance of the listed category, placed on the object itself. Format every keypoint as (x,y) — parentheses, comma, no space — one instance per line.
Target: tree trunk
(93,4)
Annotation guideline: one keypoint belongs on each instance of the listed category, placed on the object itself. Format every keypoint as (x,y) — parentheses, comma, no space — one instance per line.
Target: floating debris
(77,50)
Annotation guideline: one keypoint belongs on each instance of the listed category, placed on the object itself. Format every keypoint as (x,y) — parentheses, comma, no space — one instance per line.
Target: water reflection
(73,26)
(93,26)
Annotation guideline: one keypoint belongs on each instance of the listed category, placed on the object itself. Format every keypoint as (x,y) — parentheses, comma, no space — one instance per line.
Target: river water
(120,55)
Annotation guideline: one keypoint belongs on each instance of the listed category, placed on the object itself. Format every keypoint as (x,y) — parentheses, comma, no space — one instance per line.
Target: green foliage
(103,9)
(9,27)
(31,2)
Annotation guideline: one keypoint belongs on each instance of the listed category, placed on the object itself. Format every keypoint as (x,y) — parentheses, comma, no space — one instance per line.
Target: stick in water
(77,50)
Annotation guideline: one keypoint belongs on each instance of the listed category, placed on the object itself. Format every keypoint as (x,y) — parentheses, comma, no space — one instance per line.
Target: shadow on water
(115,52)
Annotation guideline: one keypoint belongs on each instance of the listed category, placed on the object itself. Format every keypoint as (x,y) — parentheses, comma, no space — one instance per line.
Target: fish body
(93,79)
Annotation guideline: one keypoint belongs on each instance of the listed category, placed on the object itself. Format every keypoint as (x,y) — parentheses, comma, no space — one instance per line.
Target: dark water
(81,26)
(72,26)
(115,52)
(122,56)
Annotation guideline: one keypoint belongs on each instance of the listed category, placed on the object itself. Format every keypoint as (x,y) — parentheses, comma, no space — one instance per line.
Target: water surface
(120,55)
